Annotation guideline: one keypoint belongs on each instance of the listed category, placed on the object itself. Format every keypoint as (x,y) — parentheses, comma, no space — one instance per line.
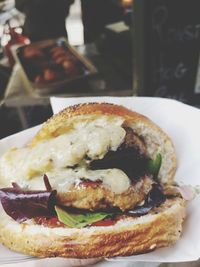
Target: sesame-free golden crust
(162,228)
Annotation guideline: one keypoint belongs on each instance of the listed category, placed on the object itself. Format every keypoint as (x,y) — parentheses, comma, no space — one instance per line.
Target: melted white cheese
(62,179)
(90,138)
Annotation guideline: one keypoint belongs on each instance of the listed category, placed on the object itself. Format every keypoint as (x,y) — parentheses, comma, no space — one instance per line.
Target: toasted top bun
(161,228)
(156,140)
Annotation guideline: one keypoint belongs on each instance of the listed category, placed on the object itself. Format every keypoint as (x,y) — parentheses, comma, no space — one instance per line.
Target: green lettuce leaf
(79,220)
(154,165)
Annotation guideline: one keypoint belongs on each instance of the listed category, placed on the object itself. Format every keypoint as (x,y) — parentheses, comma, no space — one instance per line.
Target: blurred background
(94,48)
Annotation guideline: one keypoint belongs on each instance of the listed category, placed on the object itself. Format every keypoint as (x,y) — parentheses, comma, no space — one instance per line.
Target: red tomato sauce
(54,222)
(106,222)
(49,222)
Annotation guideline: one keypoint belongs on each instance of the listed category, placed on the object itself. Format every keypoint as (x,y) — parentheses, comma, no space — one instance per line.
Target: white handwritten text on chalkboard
(179,34)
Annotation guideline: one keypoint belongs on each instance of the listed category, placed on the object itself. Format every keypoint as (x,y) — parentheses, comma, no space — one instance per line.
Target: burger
(95,181)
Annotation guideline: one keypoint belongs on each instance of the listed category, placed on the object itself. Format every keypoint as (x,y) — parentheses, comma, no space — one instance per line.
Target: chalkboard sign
(167,49)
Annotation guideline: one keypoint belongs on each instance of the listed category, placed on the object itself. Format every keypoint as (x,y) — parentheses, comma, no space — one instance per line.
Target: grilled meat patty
(130,158)
(94,196)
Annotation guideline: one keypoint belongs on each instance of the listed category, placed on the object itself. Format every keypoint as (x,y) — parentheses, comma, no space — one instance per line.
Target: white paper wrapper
(181,122)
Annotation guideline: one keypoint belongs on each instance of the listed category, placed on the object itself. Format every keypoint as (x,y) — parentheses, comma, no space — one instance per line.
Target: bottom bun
(129,236)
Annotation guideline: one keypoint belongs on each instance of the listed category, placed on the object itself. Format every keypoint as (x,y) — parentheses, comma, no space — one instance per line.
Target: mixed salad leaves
(22,204)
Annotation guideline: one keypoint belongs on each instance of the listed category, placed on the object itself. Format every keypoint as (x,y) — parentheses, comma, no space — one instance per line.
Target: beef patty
(130,158)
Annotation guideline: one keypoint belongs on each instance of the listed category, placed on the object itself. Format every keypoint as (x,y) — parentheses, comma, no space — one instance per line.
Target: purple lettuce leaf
(22,204)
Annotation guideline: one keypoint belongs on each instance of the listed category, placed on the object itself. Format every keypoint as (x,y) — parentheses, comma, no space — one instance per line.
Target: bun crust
(131,236)
(156,140)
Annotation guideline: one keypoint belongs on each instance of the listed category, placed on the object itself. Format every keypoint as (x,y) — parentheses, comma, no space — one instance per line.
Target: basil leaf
(154,165)
(79,220)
